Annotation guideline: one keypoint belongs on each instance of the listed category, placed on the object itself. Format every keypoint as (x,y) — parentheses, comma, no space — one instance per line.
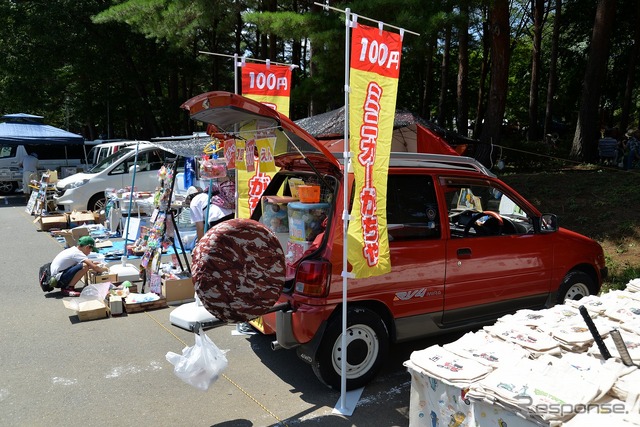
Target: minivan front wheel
(97,203)
(7,187)
(575,286)
(367,349)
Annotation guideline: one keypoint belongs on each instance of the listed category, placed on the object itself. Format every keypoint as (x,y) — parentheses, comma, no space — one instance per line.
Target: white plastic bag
(199,365)
(95,291)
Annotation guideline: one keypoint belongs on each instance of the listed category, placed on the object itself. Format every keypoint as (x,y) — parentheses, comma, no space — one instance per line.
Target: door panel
(494,259)
(488,270)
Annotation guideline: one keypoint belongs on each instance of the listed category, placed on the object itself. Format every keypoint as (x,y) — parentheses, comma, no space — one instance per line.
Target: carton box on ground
(178,290)
(71,236)
(88,310)
(101,278)
(47,222)
(82,217)
(144,306)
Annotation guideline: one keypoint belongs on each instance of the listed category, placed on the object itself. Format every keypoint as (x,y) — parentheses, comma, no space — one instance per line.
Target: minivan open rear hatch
(235,116)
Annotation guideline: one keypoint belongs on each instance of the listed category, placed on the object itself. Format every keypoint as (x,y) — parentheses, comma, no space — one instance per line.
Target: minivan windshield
(105,163)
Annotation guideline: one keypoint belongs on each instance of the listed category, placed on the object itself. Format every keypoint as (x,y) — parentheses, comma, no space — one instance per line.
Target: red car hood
(234,115)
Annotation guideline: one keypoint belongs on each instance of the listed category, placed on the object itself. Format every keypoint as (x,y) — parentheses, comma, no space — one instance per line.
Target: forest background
(535,81)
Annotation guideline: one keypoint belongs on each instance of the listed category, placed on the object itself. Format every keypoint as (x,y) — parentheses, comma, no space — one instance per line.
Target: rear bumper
(299,326)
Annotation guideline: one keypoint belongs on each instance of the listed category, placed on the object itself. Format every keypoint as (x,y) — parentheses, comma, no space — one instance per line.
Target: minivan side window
(480,209)
(8,151)
(412,208)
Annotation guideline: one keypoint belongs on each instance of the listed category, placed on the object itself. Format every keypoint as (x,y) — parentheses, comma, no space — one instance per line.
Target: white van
(104,149)
(85,191)
(50,157)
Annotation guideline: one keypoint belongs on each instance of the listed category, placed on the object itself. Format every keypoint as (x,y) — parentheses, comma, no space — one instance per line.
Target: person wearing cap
(29,166)
(70,265)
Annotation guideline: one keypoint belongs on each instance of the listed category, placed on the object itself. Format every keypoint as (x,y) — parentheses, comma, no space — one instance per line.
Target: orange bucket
(309,193)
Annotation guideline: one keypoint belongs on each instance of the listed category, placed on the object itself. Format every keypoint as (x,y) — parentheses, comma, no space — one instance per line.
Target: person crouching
(70,265)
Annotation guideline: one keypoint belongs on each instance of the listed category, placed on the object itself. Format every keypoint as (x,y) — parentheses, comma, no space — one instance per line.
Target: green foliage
(123,67)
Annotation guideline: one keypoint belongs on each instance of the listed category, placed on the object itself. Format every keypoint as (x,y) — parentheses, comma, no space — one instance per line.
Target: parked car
(86,191)
(465,249)
(104,149)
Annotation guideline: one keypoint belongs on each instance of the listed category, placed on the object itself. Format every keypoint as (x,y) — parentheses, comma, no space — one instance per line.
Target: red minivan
(465,248)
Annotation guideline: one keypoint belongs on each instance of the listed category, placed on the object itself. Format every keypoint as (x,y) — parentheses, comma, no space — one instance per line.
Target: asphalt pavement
(55,370)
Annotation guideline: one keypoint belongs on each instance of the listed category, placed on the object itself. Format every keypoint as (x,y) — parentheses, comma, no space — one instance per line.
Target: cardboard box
(82,217)
(101,278)
(88,310)
(99,217)
(52,177)
(144,306)
(71,236)
(48,222)
(178,290)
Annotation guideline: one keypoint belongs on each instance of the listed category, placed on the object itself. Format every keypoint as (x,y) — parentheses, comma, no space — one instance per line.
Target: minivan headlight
(76,184)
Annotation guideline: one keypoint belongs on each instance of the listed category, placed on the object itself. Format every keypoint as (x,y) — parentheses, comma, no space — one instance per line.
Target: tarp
(411,133)
(27,129)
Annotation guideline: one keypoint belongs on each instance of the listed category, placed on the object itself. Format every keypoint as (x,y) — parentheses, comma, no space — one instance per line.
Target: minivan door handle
(464,253)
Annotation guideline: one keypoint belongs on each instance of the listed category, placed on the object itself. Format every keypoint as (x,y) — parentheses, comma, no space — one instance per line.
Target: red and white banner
(268,84)
(374,72)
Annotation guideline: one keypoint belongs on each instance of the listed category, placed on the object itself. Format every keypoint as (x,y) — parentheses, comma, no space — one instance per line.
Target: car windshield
(108,161)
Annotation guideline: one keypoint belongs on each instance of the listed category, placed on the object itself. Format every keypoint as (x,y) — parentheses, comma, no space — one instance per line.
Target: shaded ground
(602,203)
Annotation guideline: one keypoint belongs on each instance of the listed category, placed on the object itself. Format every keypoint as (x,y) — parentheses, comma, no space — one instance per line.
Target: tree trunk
(484,71)
(462,118)
(585,140)
(631,71)
(538,13)
(500,56)
(553,69)
(428,79)
(444,81)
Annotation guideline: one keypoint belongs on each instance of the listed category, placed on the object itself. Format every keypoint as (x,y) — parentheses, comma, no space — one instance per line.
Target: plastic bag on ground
(96,291)
(199,365)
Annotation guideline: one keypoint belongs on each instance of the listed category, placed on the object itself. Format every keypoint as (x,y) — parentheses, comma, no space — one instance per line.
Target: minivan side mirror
(548,223)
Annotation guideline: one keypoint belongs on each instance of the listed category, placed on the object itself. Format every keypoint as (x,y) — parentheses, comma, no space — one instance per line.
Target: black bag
(45,277)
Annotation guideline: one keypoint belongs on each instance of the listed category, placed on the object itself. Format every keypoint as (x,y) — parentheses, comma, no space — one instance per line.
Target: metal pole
(345,214)
(125,256)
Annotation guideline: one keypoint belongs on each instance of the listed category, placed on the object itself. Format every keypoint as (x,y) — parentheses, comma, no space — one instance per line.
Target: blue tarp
(26,129)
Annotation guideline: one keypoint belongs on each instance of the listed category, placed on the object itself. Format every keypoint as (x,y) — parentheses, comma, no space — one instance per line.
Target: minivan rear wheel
(575,286)
(367,349)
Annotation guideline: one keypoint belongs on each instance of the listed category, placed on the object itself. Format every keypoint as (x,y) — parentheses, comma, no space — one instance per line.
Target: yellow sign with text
(374,72)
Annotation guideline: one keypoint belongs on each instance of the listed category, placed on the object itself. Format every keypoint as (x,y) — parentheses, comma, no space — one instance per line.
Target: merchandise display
(305,220)
(536,368)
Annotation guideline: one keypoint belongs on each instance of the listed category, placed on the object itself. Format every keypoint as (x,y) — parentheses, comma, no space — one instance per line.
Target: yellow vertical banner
(268,84)
(374,71)
(252,181)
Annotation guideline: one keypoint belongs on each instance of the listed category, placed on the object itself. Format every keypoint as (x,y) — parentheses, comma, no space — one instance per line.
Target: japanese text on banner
(374,71)
(270,85)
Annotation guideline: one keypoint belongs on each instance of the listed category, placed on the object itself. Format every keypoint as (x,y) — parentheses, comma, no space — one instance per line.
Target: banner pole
(345,215)
(235,129)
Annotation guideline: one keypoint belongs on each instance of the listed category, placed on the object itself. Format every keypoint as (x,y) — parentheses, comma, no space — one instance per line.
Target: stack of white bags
(544,366)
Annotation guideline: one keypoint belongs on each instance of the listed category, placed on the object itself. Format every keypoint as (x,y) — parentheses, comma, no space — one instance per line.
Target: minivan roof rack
(443,160)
